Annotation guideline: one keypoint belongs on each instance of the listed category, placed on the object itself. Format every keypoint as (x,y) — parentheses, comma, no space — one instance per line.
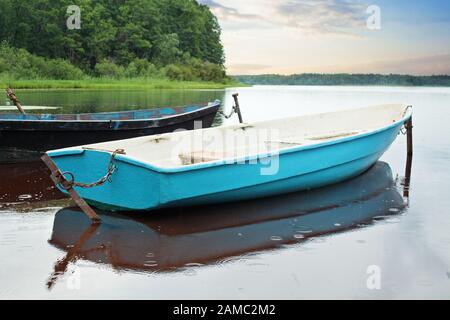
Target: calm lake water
(326,243)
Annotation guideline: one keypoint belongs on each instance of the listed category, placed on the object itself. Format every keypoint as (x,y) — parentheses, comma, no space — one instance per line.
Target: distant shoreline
(310,79)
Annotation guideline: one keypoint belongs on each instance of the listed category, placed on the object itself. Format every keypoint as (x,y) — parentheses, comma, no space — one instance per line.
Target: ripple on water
(190,272)
(8,239)
(304,231)
(24,197)
(150,264)
(276,238)
(424,283)
(392,220)
(193,264)
(257,264)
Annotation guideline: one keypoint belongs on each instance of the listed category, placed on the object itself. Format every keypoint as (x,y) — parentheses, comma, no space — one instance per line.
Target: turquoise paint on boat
(138,185)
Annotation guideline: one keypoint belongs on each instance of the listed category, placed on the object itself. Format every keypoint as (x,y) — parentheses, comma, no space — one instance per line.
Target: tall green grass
(23,70)
(114,84)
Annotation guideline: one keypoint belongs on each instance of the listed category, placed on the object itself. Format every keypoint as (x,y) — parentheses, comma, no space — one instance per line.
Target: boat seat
(333,135)
(287,142)
(302,140)
(201,156)
(207,156)
(299,140)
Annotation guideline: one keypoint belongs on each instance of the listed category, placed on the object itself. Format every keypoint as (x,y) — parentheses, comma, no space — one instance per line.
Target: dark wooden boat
(26,136)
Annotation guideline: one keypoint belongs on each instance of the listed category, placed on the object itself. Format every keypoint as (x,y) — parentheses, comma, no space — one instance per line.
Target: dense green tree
(167,49)
(117,31)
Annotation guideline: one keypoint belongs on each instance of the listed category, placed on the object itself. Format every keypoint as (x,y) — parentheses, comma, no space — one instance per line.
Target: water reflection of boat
(176,238)
(26,182)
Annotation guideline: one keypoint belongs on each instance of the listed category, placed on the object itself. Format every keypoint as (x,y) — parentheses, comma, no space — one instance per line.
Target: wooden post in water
(409,136)
(237,108)
(409,128)
(12,96)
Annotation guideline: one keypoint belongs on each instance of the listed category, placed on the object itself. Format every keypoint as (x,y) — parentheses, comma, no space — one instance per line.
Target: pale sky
(331,36)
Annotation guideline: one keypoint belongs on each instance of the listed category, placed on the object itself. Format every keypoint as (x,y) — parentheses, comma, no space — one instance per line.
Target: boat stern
(105,180)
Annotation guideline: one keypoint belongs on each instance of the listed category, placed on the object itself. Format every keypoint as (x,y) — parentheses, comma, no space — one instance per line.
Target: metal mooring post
(409,136)
(237,108)
(59,179)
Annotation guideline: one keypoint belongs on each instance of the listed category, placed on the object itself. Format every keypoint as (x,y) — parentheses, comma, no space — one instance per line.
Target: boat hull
(20,141)
(136,186)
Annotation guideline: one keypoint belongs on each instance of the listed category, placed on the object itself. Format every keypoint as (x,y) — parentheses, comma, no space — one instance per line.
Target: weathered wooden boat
(173,238)
(25,136)
(231,163)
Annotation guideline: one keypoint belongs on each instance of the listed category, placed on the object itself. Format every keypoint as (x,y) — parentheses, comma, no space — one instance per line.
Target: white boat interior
(186,148)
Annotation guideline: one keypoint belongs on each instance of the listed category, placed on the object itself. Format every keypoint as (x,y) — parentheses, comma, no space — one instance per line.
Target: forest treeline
(310,79)
(178,39)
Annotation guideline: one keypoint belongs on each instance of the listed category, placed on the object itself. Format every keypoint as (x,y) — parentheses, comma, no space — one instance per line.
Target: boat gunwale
(235,160)
(202,107)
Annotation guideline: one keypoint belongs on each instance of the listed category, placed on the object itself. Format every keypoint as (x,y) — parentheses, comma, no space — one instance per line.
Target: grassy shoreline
(113,84)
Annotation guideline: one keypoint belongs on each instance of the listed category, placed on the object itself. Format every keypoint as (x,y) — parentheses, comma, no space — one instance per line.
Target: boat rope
(112,168)
(404,129)
(408,124)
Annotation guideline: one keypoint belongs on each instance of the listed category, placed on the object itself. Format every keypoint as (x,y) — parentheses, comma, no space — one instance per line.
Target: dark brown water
(319,244)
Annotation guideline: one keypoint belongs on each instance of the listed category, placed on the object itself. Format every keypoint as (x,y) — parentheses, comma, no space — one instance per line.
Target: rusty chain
(233,111)
(69,184)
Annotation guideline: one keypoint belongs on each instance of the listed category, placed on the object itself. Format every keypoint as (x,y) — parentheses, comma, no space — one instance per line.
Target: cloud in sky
(225,13)
(323,16)
(294,36)
(307,16)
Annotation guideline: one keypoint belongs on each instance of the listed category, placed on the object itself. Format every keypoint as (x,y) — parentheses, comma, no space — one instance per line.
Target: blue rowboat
(231,163)
(174,239)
